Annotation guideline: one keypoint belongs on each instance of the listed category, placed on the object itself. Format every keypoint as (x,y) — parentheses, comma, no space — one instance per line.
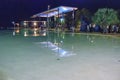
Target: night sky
(18,10)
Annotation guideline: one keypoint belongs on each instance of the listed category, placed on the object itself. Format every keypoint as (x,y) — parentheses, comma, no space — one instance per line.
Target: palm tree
(77,20)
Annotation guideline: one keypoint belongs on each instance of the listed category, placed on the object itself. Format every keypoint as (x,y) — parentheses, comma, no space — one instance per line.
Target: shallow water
(23,58)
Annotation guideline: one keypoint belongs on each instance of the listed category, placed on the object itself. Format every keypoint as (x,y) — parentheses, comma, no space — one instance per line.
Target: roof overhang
(55,11)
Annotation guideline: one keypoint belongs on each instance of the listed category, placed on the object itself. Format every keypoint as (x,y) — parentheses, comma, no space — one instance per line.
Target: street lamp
(25,25)
(13,22)
(48,8)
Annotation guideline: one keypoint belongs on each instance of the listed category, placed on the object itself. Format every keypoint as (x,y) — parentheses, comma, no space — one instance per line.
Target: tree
(119,19)
(105,17)
(85,15)
(85,19)
(82,15)
(118,13)
(77,19)
(68,19)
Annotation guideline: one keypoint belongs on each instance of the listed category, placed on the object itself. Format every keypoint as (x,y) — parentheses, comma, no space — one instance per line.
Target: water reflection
(57,49)
(55,43)
(34,32)
(13,33)
(91,38)
(25,33)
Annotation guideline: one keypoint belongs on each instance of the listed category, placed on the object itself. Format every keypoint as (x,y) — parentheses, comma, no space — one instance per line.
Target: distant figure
(115,29)
(88,27)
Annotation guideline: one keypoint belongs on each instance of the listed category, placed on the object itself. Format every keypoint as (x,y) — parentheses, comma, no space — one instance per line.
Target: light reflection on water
(23,59)
(29,32)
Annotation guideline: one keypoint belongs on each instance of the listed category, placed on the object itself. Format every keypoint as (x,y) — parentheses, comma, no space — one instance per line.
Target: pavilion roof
(55,11)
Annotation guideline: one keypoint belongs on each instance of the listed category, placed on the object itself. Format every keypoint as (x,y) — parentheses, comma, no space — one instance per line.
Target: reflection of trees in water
(58,38)
(91,38)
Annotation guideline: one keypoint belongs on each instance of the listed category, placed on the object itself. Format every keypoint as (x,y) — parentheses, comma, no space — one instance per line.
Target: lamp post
(48,24)
(48,17)
(35,25)
(35,29)
(25,25)
(73,22)
(13,28)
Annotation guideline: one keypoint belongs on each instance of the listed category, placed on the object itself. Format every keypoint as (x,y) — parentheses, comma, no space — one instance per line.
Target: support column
(73,22)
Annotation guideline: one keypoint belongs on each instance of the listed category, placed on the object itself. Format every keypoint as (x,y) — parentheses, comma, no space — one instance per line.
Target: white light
(64,8)
(13,33)
(62,19)
(35,32)
(25,23)
(44,34)
(25,34)
(13,22)
(35,23)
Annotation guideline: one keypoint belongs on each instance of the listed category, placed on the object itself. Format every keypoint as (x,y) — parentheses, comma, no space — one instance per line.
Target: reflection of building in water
(33,24)
(34,28)
(25,34)
(57,49)
(16,28)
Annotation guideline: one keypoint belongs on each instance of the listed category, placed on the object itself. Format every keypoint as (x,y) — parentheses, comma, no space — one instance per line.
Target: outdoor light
(62,20)
(55,11)
(35,32)
(25,23)
(13,22)
(64,9)
(35,23)
(14,28)
(17,31)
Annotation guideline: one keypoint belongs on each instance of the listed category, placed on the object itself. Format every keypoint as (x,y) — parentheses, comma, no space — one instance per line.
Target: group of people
(97,28)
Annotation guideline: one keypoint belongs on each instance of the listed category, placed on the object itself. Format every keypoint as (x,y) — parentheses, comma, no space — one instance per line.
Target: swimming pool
(86,57)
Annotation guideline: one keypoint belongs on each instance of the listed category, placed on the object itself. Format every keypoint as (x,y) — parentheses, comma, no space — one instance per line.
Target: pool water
(84,57)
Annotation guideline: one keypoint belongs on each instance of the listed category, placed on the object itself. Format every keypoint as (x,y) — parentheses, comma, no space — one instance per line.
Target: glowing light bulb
(35,23)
